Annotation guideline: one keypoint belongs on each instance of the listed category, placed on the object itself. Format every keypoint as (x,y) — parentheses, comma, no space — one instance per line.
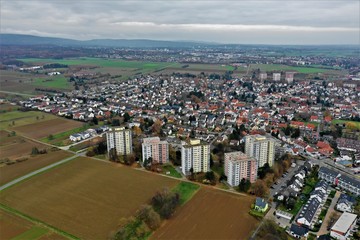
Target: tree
(210,176)
(95,121)
(165,202)
(34,151)
(259,188)
(126,117)
(137,131)
(244,185)
(115,122)
(113,155)
(149,216)
(50,137)
(296,133)
(156,127)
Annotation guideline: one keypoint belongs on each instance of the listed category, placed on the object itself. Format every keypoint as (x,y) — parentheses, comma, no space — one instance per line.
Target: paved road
(29,175)
(323,230)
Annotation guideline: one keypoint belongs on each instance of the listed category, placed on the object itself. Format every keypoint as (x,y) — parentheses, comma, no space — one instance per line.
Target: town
(292,143)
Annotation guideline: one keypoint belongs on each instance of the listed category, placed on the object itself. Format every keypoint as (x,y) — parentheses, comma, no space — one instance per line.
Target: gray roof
(310,209)
(298,230)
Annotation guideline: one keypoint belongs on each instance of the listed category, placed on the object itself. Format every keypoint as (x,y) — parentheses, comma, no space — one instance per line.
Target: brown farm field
(14,148)
(85,197)
(211,214)
(13,226)
(43,129)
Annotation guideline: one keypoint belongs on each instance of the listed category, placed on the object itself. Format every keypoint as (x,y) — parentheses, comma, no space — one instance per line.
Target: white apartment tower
(263,76)
(156,149)
(261,148)
(120,139)
(276,76)
(238,166)
(195,155)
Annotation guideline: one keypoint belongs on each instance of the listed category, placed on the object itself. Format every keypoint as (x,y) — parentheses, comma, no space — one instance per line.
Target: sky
(242,22)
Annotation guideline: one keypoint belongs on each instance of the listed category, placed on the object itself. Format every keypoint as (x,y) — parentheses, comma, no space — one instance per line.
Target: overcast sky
(254,22)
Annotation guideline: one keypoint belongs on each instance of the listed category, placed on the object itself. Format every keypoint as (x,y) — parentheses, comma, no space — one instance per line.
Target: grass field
(210,214)
(58,81)
(85,197)
(186,191)
(22,118)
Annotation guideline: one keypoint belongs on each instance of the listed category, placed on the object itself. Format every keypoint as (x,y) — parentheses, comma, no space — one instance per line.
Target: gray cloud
(274,22)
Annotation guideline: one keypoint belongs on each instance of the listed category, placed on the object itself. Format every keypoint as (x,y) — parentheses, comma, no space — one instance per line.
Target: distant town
(282,130)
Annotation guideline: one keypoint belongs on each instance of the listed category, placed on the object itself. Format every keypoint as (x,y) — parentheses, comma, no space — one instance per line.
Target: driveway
(331,209)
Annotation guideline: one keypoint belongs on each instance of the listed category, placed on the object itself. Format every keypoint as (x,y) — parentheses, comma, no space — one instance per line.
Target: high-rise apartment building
(276,76)
(289,77)
(156,149)
(238,166)
(120,139)
(196,156)
(261,148)
(263,76)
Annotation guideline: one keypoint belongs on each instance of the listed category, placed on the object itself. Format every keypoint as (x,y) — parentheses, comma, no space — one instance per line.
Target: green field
(17,118)
(100,62)
(186,191)
(279,67)
(172,170)
(338,121)
(33,233)
(53,82)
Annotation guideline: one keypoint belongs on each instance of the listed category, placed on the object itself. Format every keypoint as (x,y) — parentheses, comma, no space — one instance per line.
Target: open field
(20,82)
(53,126)
(14,147)
(210,214)
(58,81)
(307,70)
(6,107)
(85,197)
(347,123)
(16,228)
(23,150)
(17,118)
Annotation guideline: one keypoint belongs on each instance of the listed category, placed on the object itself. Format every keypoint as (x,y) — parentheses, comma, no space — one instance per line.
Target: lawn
(169,168)
(85,197)
(186,191)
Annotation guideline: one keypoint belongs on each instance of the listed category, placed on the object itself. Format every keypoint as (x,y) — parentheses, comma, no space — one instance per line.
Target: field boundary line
(36,172)
(37,221)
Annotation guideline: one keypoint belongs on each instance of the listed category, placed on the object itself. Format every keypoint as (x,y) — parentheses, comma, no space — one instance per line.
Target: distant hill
(19,39)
